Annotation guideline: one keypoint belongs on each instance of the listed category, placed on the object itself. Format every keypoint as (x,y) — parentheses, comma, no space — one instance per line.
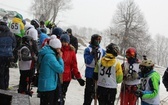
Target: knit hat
(57,31)
(65,38)
(54,42)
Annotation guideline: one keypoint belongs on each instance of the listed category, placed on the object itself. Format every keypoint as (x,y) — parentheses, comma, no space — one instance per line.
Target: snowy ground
(75,94)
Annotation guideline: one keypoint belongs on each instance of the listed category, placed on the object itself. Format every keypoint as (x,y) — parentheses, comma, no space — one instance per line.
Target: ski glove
(139,93)
(81,81)
(94,51)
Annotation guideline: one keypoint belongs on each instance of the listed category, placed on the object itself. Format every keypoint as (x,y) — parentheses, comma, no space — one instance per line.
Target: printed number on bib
(15,28)
(143,85)
(105,71)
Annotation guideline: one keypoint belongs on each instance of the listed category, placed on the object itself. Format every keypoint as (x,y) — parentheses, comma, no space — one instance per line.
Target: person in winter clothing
(17,27)
(26,65)
(51,65)
(70,63)
(165,79)
(131,79)
(150,83)
(91,55)
(73,39)
(7,44)
(73,42)
(43,28)
(108,73)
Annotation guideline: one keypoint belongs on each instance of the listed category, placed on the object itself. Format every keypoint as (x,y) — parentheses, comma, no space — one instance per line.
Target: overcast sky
(98,13)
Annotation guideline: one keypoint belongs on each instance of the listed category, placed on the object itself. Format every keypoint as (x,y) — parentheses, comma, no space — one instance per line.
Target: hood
(28,26)
(4,28)
(16,20)
(108,60)
(45,50)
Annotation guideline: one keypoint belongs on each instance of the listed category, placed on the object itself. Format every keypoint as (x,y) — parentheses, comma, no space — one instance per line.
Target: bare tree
(161,43)
(49,9)
(130,24)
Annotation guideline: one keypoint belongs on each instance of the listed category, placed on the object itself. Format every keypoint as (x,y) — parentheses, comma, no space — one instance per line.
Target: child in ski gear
(50,58)
(17,27)
(91,55)
(70,64)
(35,23)
(149,90)
(26,65)
(7,44)
(131,78)
(108,73)
(165,79)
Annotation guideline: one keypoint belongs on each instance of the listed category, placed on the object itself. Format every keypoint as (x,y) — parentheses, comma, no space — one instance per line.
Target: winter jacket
(50,67)
(70,63)
(74,42)
(110,70)
(17,27)
(7,41)
(165,79)
(89,60)
(31,31)
(150,88)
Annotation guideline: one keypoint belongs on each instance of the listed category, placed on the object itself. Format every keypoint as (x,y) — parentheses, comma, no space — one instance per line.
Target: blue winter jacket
(50,67)
(89,59)
(7,41)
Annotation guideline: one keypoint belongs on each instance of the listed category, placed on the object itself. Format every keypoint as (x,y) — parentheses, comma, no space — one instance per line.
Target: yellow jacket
(109,60)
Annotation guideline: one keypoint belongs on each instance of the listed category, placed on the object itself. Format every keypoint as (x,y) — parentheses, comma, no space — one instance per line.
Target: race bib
(15,28)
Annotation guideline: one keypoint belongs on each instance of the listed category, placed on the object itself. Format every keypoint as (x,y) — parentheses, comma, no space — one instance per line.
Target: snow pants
(89,91)
(106,96)
(127,95)
(48,98)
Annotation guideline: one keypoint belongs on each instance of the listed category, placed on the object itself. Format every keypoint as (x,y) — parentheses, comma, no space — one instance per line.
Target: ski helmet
(95,40)
(35,23)
(146,66)
(19,16)
(113,49)
(131,52)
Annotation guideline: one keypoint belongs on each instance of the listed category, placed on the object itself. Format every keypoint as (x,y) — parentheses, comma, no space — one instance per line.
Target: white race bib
(15,28)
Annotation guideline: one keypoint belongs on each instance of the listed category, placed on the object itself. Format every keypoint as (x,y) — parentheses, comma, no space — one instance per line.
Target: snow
(75,94)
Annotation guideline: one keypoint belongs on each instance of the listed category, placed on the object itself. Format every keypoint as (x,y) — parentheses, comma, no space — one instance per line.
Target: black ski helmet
(113,49)
(35,23)
(94,39)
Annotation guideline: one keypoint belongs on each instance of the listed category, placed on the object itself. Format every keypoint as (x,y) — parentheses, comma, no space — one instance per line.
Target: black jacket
(165,79)
(74,42)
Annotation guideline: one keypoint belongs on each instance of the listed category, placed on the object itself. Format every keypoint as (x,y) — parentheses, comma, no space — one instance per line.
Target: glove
(81,81)
(139,93)
(94,51)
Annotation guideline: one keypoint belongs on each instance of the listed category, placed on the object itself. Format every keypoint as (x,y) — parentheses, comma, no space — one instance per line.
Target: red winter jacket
(70,63)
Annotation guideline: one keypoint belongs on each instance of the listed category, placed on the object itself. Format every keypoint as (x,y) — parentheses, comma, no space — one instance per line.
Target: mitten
(139,93)
(81,81)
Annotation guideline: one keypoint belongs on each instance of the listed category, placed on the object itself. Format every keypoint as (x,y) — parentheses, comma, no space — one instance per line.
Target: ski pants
(4,72)
(127,95)
(106,96)
(48,98)
(25,81)
(89,91)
